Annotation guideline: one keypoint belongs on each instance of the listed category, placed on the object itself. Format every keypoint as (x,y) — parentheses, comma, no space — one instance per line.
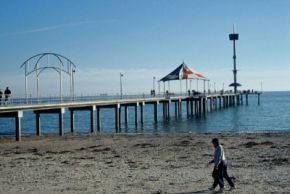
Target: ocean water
(273,114)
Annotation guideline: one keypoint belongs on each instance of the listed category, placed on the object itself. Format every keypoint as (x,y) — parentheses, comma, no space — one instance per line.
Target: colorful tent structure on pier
(183,72)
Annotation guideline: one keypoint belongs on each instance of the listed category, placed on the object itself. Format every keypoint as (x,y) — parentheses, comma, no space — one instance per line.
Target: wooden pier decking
(197,105)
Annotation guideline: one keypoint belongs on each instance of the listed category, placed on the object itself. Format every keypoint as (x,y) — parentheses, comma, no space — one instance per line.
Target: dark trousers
(219,175)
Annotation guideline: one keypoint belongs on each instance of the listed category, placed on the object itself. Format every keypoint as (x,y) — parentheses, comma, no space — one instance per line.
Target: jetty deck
(197,105)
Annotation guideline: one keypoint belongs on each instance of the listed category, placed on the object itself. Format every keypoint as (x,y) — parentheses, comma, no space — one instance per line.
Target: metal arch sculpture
(65,66)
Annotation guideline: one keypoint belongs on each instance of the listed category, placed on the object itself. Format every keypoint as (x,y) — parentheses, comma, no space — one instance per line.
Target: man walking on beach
(220,167)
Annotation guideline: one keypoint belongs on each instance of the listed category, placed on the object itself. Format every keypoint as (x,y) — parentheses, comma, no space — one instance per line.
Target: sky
(145,39)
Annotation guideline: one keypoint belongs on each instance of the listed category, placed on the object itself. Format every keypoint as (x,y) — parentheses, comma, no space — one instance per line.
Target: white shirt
(219,155)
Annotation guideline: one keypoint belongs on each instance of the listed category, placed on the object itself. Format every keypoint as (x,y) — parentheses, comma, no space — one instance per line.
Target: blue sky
(145,39)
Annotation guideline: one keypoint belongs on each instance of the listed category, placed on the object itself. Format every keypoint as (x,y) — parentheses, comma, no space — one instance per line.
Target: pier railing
(55,100)
(102,97)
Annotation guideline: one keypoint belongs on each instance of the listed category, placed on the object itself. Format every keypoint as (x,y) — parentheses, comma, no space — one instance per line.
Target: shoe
(211,189)
(232,188)
(221,190)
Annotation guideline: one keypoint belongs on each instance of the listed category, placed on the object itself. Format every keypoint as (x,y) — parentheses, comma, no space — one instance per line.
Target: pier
(196,105)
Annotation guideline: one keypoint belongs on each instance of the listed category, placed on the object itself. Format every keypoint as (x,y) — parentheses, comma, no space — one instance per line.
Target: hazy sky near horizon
(143,39)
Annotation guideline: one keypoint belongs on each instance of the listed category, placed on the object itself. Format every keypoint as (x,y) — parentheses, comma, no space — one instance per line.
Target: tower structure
(233,37)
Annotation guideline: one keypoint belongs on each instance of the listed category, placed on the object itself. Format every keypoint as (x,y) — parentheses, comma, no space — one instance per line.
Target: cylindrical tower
(233,37)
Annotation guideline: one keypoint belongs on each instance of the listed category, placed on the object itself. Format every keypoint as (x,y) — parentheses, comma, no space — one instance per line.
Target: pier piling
(92,117)
(117,117)
(198,105)
(156,111)
(136,114)
(126,114)
(60,111)
(72,121)
(142,112)
(98,119)
(38,124)
(179,107)
(17,115)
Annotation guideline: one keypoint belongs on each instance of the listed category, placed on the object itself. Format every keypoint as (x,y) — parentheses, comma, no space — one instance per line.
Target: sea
(272,115)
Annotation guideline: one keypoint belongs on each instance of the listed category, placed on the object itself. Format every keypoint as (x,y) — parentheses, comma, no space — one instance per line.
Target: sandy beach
(143,163)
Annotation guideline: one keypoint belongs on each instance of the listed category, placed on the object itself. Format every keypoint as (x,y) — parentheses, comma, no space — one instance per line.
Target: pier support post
(191,107)
(168,109)
(187,108)
(258,98)
(204,106)
(117,117)
(60,121)
(179,107)
(176,108)
(136,114)
(234,100)
(247,102)
(210,104)
(200,107)
(196,108)
(38,124)
(120,118)
(225,101)
(142,112)
(126,115)
(164,110)
(72,121)
(18,117)
(156,111)
(98,119)
(215,103)
(92,118)
(238,99)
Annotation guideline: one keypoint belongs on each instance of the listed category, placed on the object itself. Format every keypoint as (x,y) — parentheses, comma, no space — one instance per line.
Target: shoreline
(143,163)
(27,137)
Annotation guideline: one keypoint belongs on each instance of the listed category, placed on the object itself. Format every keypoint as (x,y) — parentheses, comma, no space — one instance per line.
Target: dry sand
(142,163)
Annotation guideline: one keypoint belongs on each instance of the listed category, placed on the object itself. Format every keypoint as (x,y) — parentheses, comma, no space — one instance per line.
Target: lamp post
(121,86)
(159,87)
(190,84)
(208,87)
(154,82)
(73,84)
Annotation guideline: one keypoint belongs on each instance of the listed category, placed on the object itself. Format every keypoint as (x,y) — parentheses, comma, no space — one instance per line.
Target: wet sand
(142,163)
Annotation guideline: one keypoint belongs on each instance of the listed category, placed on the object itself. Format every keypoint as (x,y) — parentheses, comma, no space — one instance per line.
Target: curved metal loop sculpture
(64,65)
